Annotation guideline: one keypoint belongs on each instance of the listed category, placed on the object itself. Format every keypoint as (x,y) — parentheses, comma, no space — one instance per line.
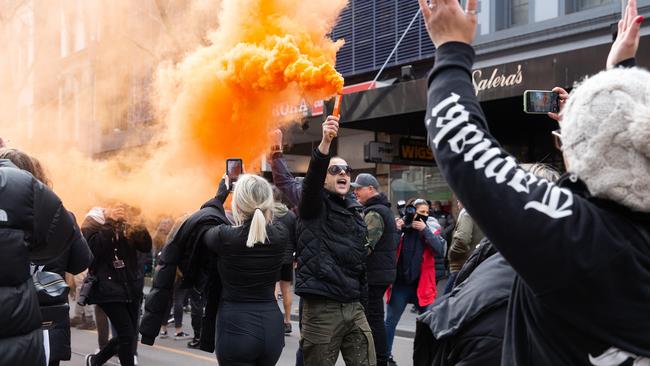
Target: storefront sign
(379,152)
(415,150)
(484,79)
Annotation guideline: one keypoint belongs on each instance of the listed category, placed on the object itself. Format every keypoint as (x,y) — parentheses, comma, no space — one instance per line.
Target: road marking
(168,349)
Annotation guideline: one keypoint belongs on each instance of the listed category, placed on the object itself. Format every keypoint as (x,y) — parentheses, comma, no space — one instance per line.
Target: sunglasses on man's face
(336,169)
(557,138)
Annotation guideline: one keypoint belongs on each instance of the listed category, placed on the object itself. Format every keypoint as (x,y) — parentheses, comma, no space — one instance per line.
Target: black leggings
(249,334)
(124,317)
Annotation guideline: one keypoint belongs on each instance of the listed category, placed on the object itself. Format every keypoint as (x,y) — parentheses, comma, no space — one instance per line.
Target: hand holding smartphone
(234,168)
(541,102)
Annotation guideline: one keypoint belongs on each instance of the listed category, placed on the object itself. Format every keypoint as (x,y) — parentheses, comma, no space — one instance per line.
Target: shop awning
(399,108)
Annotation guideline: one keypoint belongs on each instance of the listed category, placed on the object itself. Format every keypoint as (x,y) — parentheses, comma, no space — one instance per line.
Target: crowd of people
(558,275)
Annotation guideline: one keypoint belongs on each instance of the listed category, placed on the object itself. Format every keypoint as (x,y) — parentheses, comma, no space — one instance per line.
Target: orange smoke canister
(337,109)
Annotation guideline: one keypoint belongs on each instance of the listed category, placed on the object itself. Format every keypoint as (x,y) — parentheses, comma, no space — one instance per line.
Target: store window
(573,6)
(408,182)
(519,12)
(484,16)
(511,13)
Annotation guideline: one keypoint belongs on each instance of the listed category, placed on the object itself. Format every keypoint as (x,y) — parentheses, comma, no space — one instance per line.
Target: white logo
(470,142)
(616,357)
(3,216)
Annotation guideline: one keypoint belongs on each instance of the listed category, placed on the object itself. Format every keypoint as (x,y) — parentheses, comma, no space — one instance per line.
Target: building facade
(520,45)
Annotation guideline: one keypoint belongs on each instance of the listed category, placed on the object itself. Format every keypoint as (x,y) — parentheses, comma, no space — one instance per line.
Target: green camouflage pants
(329,326)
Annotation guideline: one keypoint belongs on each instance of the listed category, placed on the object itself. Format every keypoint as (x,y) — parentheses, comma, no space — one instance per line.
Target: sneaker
(88,361)
(391,362)
(135,360)
(195,343)
(181,336)
(87,326)
(75,321)
(287,328)
(163,334)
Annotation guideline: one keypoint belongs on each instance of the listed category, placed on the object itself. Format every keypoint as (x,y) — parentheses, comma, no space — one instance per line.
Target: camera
(409,216)
(86,288)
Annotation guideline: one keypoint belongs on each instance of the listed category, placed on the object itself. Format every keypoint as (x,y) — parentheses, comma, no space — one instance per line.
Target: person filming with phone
(580,246)
(115,235)
(420,243)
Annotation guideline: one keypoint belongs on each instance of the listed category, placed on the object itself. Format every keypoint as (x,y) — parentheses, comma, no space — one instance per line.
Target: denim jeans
(450,282)
(401,295)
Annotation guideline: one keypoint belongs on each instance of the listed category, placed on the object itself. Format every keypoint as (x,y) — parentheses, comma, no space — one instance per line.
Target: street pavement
(172,352)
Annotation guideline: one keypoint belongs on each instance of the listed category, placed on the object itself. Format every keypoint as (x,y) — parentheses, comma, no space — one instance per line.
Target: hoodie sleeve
(537,222)
(284,180)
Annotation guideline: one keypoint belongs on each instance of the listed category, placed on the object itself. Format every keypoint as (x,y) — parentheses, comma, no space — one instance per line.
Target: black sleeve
(80,255)
(312,188)
(627,63)
(141,239)
(157,301)
(212,240)
(536,223)
(222,192)
(54,227)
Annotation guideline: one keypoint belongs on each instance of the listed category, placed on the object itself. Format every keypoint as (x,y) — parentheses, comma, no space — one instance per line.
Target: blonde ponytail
(253,199)
(257,233)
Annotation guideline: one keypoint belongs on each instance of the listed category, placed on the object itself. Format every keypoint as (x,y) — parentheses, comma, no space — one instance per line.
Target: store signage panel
(379,152)
(415,150)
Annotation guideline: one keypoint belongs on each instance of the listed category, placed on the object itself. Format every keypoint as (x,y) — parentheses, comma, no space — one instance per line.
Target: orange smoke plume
(216,103)
(265,53)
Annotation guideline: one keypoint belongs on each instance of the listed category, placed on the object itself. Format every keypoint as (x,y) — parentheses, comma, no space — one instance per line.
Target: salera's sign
(415,149)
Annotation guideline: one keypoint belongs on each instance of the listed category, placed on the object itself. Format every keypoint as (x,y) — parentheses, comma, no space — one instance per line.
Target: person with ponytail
(249,257)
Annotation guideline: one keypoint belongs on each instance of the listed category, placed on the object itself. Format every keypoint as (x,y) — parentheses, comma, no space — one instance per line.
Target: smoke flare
(215,103)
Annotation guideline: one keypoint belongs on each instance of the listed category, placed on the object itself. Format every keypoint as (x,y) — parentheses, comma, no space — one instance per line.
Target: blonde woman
(249,255)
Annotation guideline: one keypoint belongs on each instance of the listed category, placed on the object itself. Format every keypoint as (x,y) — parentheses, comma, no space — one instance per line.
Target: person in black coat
(383,238)
(282,214)
(187,253)
(35,228)
(115,236)
(331,254)
(249,258)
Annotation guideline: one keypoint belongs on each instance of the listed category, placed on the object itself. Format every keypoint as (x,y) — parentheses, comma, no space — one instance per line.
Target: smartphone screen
(541,102)
(234,168)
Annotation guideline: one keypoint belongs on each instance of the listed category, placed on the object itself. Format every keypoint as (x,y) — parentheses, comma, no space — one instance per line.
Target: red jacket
(426,291)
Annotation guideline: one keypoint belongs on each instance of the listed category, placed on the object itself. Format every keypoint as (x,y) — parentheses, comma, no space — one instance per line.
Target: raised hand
(446,21)
(564,96)
(330,131)
(276,137)
(627,39)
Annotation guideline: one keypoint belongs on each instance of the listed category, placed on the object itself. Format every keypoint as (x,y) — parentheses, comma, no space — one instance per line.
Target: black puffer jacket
(332,235)
(74,260)
(107,241)
(288,218)
(382,263)
(468,324)
(198,266)
(34,227)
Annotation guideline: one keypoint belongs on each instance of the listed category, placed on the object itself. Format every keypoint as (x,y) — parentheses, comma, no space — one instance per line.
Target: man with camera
(383,237)
(421,242)
(331,255)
